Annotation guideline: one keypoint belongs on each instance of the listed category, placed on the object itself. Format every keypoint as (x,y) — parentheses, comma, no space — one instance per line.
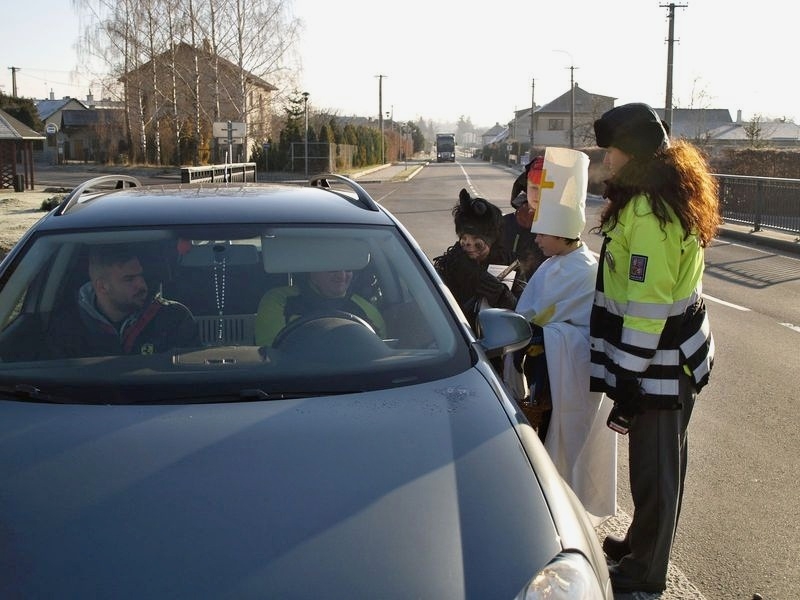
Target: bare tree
(752,131)
(167,91)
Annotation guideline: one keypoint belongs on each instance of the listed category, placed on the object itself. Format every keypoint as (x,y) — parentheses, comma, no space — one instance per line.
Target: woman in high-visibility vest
(651,343)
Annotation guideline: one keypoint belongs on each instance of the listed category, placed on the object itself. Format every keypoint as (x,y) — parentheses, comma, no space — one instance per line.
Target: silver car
(342,458)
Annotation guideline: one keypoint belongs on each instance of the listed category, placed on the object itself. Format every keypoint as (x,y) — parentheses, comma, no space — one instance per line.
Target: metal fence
(762,202)
(239,172)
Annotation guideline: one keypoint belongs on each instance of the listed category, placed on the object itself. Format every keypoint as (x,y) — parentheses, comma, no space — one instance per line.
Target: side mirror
(503,330)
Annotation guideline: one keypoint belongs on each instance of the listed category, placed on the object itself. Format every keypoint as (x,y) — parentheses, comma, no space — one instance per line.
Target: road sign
(225,129)
(51,129)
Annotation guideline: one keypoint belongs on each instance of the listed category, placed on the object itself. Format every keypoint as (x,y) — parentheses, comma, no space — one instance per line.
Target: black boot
(616,547)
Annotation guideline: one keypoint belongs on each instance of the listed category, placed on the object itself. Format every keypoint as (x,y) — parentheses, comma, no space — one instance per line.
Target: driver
(320,293)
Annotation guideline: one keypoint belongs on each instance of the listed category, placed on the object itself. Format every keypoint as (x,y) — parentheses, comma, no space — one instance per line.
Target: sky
(446,59)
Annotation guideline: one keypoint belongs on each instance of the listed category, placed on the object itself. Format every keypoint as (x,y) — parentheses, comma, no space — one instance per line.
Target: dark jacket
(82,330)
(461,275)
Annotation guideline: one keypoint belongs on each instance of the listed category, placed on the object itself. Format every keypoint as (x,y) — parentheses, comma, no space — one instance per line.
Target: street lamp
(380,115)
(533,108)
(571,98)
(305,109)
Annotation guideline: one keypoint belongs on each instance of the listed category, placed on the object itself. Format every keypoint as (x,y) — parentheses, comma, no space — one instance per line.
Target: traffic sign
(225,129)
(51,129)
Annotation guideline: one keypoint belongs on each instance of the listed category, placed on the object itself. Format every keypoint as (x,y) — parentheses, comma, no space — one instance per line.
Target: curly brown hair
(677,177)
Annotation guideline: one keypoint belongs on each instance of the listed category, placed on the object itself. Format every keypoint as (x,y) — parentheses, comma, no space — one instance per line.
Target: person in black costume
(464,266)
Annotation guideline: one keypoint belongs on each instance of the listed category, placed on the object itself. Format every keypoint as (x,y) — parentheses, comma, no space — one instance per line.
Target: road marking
(724,303)
(792,327)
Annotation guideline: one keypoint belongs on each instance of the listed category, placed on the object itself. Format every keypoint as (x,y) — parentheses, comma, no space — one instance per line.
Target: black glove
(490,287)
(629,401)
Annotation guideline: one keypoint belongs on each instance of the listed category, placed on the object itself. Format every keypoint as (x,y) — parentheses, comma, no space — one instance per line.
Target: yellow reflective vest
(648,318)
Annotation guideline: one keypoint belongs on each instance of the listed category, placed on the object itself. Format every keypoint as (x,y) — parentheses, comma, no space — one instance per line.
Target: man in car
(115,313)
(315,293)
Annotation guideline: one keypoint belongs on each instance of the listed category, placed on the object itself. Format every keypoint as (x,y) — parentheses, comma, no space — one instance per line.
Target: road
(740,524)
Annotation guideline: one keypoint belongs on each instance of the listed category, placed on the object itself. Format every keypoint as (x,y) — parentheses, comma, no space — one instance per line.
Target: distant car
(335,462)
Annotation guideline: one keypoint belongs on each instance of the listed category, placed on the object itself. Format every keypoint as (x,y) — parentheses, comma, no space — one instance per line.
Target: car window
(260,320)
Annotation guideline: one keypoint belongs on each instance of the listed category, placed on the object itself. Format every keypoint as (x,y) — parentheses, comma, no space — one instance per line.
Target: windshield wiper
(25,391)
(244,395)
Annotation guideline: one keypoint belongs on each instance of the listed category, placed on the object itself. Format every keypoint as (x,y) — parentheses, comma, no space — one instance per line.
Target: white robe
(559,299)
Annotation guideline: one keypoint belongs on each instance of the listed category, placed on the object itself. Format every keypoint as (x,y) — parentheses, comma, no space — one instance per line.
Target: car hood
(417,492)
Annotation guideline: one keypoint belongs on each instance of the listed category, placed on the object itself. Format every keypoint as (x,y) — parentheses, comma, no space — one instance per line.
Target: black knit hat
(477,216)
(635,128)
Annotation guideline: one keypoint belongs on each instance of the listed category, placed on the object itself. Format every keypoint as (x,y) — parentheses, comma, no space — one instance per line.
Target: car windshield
(180,314)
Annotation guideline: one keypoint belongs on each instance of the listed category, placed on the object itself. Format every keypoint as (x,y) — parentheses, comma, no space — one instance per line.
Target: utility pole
(380,116)
(533,108)
(14,81)
(572,68)
(670,42)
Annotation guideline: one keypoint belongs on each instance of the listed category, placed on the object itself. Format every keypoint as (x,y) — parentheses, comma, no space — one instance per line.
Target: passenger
(464,266)
(115,313)
(652,347)
(558,301)
(315,293)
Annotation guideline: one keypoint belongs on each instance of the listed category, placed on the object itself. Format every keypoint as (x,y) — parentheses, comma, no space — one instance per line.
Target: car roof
(220,203)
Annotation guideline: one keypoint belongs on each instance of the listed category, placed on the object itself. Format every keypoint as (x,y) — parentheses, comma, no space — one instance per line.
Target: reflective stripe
(660,387)
(697,340)
(641,339)
(647,310)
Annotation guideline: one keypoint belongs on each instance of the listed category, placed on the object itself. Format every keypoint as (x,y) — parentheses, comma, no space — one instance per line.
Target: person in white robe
(559,300)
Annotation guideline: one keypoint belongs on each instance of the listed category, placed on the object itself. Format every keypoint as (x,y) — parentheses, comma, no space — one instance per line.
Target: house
(493,135)
(776,134)
(86,131)
(567,121)
(711,128)
(57,143)
(172,107)
(694,124)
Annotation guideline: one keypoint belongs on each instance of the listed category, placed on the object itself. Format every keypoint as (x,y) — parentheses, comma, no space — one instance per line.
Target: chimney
(90,99)
(739,116)
(52,94)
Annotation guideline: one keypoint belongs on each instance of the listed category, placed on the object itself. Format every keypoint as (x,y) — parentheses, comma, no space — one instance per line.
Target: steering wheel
(325,321)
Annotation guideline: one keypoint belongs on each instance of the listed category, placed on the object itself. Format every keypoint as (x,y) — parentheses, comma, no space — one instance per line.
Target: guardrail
(232,172)
(763,202)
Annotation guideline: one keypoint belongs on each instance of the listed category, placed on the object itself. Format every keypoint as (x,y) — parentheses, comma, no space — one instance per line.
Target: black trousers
(658,450)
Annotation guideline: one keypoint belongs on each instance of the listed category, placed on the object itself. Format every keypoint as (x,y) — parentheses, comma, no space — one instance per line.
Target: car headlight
(568,575)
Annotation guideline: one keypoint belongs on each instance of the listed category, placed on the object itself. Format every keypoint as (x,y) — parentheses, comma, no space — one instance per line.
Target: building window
(555,124)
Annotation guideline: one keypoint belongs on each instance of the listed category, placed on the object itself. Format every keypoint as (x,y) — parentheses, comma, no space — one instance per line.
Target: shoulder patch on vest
(638,267)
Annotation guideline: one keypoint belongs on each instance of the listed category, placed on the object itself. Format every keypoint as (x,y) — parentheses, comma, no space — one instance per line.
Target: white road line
(792,327)
(729,304)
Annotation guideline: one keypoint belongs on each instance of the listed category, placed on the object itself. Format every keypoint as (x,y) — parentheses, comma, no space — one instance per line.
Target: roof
(213,203)
(206,56)
(694,123)
(494,130)
(12,129)
(47,108)
(584,102)
(502,135)
(772,131)
(78,118)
